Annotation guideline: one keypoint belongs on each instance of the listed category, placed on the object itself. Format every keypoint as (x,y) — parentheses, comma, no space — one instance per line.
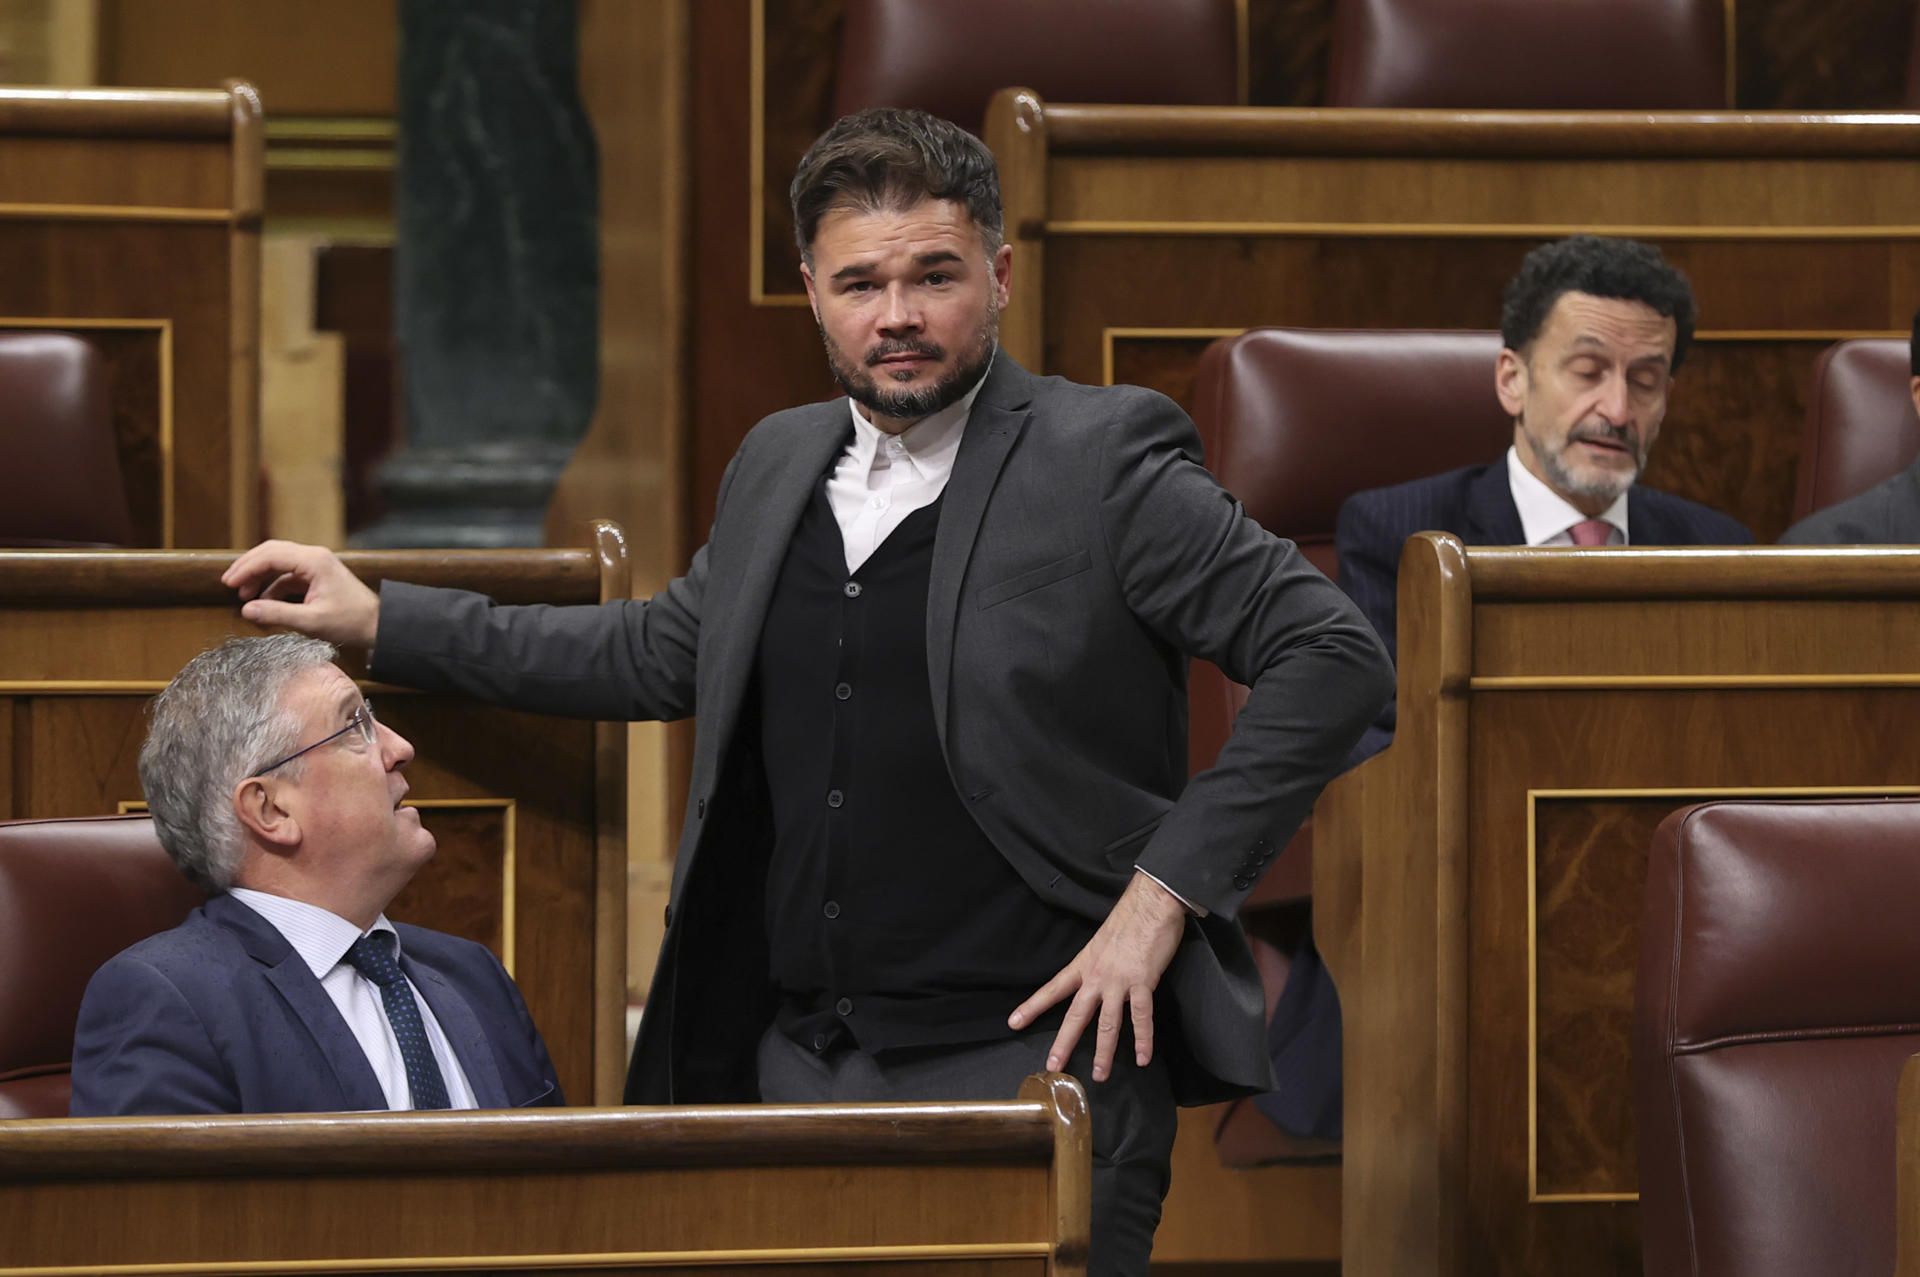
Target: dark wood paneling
(142,210)
(335,59)
(748,360)
(1590,861)
(1588,893)
(1812,55)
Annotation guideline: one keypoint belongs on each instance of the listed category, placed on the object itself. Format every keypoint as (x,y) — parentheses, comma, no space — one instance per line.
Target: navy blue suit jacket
(221,1015)
(1476,504)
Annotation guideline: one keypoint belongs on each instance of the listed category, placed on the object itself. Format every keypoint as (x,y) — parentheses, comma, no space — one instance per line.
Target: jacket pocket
(539,1099)
(1027,582)
(1123,851)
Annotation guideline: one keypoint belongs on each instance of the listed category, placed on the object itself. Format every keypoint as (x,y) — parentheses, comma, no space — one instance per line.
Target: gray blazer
(1886,514)
(1083,553)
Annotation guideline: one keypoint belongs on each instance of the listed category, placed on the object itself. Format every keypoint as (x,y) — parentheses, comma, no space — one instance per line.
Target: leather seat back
(1861,427)
(1621,55)
(60,482)
(72,894)
(949,59)
(1776,1004)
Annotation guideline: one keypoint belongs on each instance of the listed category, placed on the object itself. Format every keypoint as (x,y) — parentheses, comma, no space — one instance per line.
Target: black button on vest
(891,918)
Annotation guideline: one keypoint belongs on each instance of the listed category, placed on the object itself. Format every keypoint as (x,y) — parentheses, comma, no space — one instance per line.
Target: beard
(1592,483)
(912,403)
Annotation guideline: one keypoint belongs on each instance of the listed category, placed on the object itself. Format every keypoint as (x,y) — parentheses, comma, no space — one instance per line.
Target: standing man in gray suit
(939,824)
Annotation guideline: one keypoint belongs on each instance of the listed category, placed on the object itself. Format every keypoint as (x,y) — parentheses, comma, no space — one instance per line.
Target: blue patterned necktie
(372,956)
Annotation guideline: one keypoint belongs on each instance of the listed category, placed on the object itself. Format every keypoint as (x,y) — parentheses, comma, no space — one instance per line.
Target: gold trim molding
(1465,230)
(1700,793)
(797,1255)
(116,213)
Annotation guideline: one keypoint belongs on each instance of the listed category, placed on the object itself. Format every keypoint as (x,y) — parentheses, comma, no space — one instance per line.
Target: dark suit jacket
(221,1015)
(1476,505)
(1886,514)
(1082,552)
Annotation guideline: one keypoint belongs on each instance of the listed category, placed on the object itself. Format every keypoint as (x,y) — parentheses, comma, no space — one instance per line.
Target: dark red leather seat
(1861,427)
(1651,55)
(950,58)
(59,465)
(1296,420)
(72,894)
(1776,1005)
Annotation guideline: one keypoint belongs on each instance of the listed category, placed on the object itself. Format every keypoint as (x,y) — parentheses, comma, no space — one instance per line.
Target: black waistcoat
(890,916)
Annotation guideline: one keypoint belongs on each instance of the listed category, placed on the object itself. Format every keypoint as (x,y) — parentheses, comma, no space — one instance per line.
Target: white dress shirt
(1546,517)
(322,939)
(880,478)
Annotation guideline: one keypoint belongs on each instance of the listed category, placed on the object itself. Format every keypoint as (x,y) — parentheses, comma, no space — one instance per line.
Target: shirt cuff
(1192,908)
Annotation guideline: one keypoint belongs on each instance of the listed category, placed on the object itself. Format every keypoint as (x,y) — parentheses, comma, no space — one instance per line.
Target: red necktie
(1590,532)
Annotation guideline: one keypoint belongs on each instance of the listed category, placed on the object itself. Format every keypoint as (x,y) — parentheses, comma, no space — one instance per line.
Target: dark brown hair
(886,158)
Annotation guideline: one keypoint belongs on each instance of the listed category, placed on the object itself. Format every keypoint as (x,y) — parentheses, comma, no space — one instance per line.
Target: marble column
(496,275)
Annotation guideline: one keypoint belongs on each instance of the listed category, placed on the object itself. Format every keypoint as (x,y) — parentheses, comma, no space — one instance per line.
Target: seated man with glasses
(273,786)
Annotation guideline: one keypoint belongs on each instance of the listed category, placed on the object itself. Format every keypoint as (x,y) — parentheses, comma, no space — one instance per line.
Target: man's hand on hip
(335,604)
(1116,972)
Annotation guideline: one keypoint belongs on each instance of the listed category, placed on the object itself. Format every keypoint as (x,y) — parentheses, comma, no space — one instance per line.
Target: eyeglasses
(362,721)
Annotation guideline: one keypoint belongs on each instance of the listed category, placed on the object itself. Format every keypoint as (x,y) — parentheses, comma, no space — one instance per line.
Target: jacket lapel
(359,1089)
(464,1033)
(1492,517)
(779,504)
(999,415)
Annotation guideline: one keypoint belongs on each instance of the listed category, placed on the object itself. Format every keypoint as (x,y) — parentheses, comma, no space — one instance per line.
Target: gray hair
(219,721)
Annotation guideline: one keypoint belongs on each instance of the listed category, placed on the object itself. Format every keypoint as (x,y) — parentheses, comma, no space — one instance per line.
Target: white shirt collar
(1545,514)
(319,936)
(928,446)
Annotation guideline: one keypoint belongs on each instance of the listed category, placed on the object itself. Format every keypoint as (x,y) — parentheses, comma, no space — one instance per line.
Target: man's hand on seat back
(1113,975)
(335,604)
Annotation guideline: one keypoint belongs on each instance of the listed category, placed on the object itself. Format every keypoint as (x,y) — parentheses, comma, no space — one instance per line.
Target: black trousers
(1134,1118)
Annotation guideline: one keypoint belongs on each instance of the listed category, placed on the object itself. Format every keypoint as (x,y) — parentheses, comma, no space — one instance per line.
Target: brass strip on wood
(1108,336)
(115,213)
(1534,1195)
(82,686)
(955,1252)
(1468,230)
(1679,682)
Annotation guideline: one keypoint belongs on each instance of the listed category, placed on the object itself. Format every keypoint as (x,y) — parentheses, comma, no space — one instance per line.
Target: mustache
(904,346)
(1625,436)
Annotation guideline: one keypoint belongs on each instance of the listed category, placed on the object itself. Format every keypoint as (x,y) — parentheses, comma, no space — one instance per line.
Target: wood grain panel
(1590,865)
(142,217)
(1809,55)
(915,1186)
(746,360)
(1777,639)
(464,889)
(335,60)
(1590,893)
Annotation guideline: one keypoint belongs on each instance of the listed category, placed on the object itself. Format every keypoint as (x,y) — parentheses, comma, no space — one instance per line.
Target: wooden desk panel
(1478,885)
(954,1188)
(131,219)
(528,811)
(1142,232)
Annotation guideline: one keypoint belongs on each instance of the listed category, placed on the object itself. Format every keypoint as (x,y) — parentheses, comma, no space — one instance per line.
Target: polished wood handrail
(192,577)
(1240,130)
(691,1135)
(1752,572)
(119,112)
